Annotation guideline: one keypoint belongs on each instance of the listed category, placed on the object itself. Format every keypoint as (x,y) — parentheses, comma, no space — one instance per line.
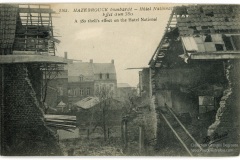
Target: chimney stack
(91,60)
(65,55)
(112,61)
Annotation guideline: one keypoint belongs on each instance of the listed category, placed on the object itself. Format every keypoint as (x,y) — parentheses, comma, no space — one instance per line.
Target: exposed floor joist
(209,56)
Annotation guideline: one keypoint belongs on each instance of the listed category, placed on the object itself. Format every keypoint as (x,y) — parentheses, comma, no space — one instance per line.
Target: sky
(130,44)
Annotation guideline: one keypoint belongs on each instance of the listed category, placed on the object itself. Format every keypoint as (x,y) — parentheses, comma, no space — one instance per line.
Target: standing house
(105,78)
(90,79)
(80,81)
(27,51)
(194,70)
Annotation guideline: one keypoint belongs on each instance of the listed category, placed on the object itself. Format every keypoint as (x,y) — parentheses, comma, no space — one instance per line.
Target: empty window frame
(81,92)
(88,91)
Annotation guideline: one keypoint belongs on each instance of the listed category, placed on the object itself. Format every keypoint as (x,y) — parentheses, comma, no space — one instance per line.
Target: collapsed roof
(26,28)
(26,35)
(204,31)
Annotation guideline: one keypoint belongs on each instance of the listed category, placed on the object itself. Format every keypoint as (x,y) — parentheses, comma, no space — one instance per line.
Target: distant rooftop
(103,68)
(90,68)
(80,68)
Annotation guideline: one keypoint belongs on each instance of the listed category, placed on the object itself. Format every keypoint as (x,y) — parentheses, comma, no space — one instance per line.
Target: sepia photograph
(119,79)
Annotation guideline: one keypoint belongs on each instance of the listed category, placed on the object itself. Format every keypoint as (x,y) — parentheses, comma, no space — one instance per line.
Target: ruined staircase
(185,138)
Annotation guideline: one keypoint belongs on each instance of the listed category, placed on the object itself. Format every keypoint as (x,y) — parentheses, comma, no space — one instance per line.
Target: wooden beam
(215,55)
(11,59)
(63,117)
(35,10)
(176,134)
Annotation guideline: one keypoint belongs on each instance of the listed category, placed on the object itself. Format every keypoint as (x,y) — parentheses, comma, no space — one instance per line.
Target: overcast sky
(130,44)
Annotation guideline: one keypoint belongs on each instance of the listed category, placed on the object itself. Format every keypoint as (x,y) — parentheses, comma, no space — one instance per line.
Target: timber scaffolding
(26,36)
(27,27)
(36,31)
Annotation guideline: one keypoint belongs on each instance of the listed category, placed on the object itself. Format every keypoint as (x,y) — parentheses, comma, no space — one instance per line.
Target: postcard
(120,79)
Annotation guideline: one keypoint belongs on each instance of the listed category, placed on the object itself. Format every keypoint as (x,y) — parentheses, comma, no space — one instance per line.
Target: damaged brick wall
(227,117)
(24,131)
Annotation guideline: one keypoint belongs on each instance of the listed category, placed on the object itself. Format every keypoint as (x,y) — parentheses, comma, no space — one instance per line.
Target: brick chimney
(65,55)
(91,60)
(112,61)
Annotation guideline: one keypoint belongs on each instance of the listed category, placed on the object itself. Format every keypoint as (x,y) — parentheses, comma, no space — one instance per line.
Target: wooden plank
(197,144)
(35,10)
(24,52)
(211,56)
(61,125)
(50,116)
(60,121)
(10,59)
(173,130)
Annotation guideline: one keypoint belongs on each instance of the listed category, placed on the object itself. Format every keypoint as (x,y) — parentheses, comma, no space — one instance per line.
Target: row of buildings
(80,80)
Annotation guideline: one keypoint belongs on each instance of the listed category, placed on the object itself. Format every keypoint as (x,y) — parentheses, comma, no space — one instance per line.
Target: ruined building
(194,77)
(27,51)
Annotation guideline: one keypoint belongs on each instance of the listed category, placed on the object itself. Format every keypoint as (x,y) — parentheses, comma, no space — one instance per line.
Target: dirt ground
(91,147)
(112,147)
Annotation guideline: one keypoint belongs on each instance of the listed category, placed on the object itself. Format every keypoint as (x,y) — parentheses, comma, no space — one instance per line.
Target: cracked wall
(227,116)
